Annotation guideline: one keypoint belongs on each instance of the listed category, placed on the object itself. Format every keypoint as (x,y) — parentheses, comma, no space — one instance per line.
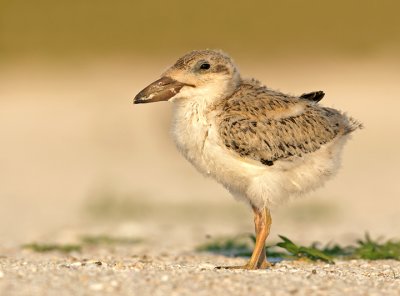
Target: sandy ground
(164,262)
(77,158)
(189,274)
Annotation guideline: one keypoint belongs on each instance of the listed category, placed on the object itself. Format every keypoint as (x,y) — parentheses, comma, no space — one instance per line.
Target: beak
(161,90)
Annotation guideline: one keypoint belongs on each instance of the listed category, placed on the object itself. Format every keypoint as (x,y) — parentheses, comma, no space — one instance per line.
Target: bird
(262,145)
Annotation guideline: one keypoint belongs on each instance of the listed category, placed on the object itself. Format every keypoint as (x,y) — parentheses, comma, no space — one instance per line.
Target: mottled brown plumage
(257,123)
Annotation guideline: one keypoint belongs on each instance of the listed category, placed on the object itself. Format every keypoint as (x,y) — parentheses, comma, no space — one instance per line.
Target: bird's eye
(205,66)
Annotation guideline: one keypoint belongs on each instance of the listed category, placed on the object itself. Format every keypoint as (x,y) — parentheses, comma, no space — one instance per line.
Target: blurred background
(76,155)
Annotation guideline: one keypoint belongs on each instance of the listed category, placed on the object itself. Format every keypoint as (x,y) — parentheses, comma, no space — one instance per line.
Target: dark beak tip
(138,99)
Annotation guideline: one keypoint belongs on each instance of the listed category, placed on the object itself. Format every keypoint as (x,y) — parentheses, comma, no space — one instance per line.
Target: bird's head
(199,75)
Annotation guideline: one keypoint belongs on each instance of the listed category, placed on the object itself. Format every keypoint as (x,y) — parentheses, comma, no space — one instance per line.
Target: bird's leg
(258,221)
(262,222)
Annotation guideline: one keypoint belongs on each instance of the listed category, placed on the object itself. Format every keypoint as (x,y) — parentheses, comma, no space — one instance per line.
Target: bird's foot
(263,265)
(233,267)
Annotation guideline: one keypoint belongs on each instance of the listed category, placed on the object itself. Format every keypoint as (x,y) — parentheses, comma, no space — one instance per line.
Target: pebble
(96,287)
(205,266)
(94,262)
(75,264)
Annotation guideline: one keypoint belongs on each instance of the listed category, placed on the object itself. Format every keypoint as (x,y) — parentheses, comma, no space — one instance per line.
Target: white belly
(197,138)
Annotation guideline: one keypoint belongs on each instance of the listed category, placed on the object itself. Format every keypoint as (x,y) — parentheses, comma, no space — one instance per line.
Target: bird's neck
(191,112)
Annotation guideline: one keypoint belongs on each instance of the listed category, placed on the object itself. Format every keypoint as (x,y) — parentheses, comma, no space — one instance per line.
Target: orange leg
(259,220)
(262,223)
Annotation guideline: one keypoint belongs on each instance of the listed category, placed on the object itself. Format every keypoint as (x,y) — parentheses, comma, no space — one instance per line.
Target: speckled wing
(267,126)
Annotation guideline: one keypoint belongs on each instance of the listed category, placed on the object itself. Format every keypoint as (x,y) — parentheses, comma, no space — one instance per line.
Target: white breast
(190,131)
(196,136)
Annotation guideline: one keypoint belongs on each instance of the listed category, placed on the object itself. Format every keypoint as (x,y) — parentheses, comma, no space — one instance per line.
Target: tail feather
(352,125)
(344,124)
